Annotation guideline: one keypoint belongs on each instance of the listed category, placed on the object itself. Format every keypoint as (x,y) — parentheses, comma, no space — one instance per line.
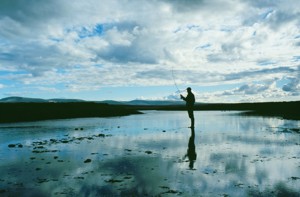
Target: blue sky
(227,51)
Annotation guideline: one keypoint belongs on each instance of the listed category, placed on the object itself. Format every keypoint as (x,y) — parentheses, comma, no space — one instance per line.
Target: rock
(148,152)
(113,181)
(11,145)
(87,161)
(295,178)
(101,135)
(79,177)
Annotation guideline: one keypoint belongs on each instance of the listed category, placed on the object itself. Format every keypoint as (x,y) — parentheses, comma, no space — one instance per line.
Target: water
(154,154)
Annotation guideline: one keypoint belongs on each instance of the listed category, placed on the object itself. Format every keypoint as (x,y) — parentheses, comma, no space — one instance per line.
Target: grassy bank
(18,112)
(287,110)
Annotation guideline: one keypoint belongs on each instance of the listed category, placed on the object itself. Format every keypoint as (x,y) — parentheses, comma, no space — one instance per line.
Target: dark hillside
(16,112)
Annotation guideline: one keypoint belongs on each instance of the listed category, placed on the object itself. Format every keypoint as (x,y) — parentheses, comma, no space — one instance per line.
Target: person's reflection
(191,151)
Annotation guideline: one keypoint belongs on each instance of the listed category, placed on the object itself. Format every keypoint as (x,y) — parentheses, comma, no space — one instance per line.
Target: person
(190,101)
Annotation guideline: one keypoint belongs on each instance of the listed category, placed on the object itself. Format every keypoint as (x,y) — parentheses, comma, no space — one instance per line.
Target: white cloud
(86,45)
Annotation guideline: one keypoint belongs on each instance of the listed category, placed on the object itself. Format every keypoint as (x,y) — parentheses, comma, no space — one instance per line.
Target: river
(156,154)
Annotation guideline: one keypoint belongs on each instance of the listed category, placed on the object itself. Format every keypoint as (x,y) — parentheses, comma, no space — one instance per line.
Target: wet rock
(79,128)
(11,145)
(80,138)
(165,187)
(297,130)
(239,185)
(38,147)
(38,169)
(87,161)
(79,177)
(295,178)
(113,181)
(100,135)
(164,131)
(148,152)
(42,180)
(44,151)
(64,141)
(171,191)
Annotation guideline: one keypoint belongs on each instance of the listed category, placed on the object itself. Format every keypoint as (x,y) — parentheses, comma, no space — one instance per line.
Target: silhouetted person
(190,101)
(191,151)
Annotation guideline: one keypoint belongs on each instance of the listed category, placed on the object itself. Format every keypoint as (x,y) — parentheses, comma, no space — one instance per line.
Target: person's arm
(182,97)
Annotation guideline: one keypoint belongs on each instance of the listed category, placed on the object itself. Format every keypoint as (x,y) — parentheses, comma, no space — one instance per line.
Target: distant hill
(153,102)
(112,102)
(17,99)
(58,100)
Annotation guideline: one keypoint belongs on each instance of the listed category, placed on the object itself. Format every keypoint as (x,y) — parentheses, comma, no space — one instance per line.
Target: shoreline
(25,112)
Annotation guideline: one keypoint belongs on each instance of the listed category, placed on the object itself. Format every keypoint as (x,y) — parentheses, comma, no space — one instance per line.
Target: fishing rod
(178,91)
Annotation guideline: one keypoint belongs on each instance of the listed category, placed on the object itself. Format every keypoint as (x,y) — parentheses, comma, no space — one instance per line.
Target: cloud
(86,45)
(206,6)
(249,89)
(255,73)
(275,14)
(293,86)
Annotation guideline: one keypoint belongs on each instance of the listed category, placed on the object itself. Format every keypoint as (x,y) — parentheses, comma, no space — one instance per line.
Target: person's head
(189,89)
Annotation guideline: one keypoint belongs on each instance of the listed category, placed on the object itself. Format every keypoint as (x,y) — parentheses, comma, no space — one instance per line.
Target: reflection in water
(191,151)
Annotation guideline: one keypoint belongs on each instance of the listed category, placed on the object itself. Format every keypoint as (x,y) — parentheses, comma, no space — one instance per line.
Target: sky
(225,50)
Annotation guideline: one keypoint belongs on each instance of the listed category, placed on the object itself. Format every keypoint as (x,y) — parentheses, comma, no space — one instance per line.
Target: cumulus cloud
(86,45)
(293,86)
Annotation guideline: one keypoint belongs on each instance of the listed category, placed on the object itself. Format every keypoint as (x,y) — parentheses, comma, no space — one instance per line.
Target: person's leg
(191,115)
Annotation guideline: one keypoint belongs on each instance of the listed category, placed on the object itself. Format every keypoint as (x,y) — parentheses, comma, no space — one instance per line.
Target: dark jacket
(190,100)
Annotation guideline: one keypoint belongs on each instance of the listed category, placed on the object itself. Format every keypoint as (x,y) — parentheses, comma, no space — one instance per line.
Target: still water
(154,154)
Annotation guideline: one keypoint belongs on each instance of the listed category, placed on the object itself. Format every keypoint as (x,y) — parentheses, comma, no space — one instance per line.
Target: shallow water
(152,154)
